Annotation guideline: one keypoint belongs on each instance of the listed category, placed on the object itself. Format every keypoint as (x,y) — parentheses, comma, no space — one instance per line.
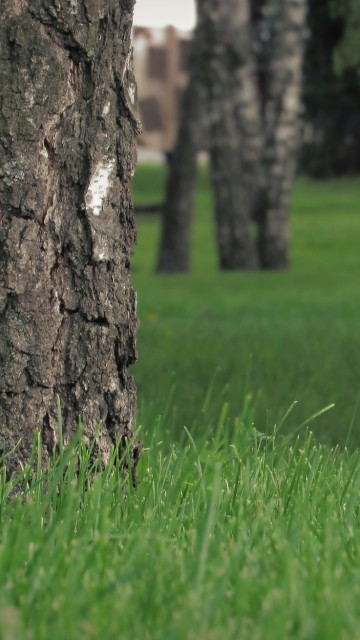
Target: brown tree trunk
(234,127)
(281,129)
(67,154)
(175,242)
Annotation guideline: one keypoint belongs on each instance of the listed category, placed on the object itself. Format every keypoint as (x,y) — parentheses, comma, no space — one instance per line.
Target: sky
(160,13)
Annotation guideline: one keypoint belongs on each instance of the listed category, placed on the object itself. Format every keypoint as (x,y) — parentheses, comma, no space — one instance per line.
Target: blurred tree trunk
(234,128)
(252,125)
(67,154)
(175,242)
(281,132)
(253,135)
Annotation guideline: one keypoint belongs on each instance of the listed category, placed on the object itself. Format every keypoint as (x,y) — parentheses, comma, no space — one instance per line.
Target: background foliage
(332,89)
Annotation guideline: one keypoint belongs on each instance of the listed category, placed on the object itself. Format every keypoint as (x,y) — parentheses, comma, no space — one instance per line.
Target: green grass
(238,528)
(230,535)
(279,336)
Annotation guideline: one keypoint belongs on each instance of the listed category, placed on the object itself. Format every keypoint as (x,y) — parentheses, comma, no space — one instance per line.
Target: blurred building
(160,60)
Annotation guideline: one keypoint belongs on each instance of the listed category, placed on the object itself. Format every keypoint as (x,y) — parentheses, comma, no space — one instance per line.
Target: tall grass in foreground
(232,535)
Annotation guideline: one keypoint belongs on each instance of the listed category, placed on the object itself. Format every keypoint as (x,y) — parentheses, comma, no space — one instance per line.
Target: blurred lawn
(262,340)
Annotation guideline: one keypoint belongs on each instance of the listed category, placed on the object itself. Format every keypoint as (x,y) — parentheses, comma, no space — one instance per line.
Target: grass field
(239,529)
(225,538)
(279,337)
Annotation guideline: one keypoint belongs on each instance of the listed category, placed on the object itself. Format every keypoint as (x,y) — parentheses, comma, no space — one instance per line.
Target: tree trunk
(67,154)
(234,128)
(253,154)
(175,242)
(252,137)
(281,129)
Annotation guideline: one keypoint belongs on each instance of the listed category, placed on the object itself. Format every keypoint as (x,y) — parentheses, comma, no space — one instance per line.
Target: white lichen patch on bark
(106,108)
(100,251)
(13,171)
(99,186)
(132,92)
(73,6)
(29,98)
(127,64)
(44,152)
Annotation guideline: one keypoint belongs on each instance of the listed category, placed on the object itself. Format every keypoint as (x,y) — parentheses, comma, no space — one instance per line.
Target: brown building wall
(160,57)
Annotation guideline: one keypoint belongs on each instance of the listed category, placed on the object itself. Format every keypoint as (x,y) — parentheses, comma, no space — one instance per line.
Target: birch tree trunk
(175,242)
(67,154)
(234,128)
(252,138)
(281,131)
(253,154)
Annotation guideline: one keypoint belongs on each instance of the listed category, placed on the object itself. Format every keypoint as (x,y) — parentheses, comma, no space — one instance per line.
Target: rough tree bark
(280,133)
(67,153)
(175,242)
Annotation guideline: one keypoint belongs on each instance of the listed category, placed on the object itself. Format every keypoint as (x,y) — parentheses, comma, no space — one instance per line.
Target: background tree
(175,243)
(67,154)
(347,53)
(332,89)
(251,107)
(281,128)
(234,130)
(212,77)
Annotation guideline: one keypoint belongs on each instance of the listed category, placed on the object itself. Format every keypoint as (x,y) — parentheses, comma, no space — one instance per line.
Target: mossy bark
(68,123)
